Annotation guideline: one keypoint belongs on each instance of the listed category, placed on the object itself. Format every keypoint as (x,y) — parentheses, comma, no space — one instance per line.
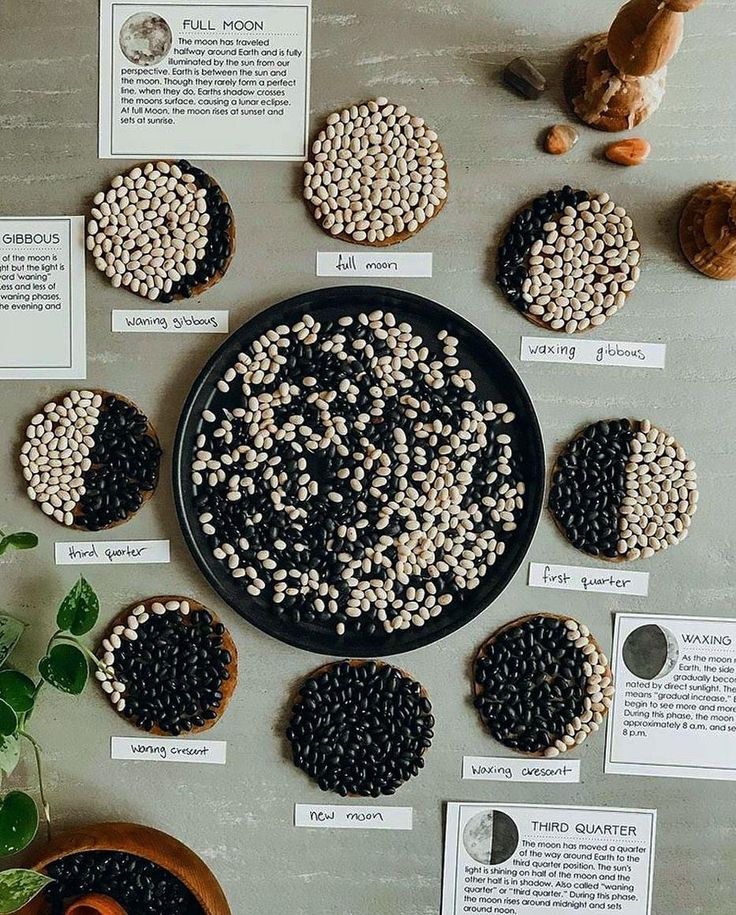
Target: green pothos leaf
(11,629)
(79,610)
(18,690)
(18,822)
(23,540)
(9,753)
(65,668)
(8,719)
(18,886)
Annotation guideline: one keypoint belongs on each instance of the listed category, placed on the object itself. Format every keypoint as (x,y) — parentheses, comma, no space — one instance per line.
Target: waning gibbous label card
(674,711)
(211,80)
(519,859)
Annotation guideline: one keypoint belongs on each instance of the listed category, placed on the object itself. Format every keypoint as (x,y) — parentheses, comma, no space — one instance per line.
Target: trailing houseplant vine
(65,666)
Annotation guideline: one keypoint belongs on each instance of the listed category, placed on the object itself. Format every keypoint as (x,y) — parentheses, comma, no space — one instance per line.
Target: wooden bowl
(398,237)
(232,238)
(145,496)
(477,689)
(353,662)
(228,686)
(144,842)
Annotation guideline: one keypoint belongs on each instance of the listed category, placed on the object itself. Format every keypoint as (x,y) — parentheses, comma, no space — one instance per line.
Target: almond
(633,151)
(560,139)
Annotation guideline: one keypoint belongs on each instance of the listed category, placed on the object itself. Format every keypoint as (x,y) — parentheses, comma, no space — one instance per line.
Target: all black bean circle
(360,730)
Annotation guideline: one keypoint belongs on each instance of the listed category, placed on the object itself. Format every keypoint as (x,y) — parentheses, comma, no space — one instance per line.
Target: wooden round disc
(635,424)
(228,686)
(398,237)
(537,319)
(145,496)
(158,847)
(476,687)
(353,662)
(707,230)
(232,238)
(602,97)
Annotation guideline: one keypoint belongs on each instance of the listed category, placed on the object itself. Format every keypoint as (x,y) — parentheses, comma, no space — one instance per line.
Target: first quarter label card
(215,80)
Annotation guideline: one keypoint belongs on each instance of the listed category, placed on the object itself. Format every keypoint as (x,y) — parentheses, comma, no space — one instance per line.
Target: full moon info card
(519,859)
(674,712)
(214,80)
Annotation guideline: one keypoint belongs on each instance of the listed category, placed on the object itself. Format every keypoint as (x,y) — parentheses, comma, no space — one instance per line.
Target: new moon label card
(674,712)
(216,80)
(518,859)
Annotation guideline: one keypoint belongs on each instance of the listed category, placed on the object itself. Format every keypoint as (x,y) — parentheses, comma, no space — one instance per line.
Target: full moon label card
(674,712)
(214,80)
(509,859)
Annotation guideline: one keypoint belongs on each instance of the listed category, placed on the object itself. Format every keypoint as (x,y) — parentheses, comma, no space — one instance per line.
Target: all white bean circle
(376,173)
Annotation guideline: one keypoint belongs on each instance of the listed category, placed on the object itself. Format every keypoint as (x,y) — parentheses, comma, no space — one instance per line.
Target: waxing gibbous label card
(42,298)
(520,859)
(212,80)
(594,352)
(674,712)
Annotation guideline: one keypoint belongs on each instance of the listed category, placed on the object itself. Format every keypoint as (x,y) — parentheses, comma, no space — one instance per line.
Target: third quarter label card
(215,80)
(521,859)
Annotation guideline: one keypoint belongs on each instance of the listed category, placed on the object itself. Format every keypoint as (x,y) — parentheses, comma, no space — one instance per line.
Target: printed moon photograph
(145,39)
(491,837)
(650,652)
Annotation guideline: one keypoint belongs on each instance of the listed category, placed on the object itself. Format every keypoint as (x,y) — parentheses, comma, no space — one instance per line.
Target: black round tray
(495,379)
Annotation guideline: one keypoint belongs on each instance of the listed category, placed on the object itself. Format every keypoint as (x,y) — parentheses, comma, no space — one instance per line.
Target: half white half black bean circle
(164,231)
(569,261)
(90,459)
(542,685)
(360,728)
(170,666)
(623,489)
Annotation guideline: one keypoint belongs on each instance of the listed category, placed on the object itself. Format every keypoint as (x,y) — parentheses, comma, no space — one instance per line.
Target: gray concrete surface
(441,58)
